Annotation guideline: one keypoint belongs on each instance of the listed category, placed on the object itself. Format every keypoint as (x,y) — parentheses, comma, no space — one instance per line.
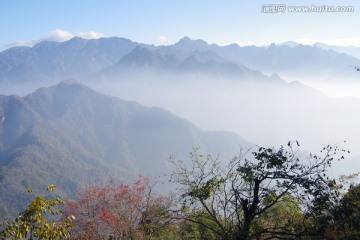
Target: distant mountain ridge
(78,58)
(350,50)
(141,59)
(68,135)
(55,61)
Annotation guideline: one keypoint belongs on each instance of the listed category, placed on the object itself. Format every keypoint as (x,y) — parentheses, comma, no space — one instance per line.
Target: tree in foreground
(38,221)
(121,211)
(278,194)
(344,220)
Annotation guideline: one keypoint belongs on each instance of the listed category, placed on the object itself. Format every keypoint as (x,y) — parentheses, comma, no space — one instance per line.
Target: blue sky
(25,22)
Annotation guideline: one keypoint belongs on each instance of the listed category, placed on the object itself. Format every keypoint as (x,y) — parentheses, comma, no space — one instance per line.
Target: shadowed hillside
(68,135)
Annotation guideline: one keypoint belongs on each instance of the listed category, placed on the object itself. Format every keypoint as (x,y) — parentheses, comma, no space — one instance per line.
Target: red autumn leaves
(120,211)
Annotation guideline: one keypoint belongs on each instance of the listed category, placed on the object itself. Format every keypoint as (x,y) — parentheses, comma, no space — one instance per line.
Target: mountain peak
(71,85)
(141,50)
(67,89)
(69,82)
(45,44)
(77,40)
(184,40)
(76,43)
(142,57)
(191,45)
(289,44)
(187,40)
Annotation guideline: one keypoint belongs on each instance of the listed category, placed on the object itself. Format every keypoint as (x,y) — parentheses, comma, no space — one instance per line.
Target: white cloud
(305,41)
(162,40)
(344,42)
(244,43)
(250,43)
(310,41)
(90,35)
(59,35)
(20,43)
(17,44)
(336,41)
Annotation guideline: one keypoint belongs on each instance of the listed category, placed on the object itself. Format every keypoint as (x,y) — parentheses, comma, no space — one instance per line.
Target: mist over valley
(111,106)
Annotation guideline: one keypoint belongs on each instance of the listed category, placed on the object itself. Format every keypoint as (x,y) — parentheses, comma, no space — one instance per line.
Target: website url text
(282,8)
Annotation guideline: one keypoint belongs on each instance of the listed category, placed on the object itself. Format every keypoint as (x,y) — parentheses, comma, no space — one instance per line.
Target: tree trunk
(244,234)
(249,211)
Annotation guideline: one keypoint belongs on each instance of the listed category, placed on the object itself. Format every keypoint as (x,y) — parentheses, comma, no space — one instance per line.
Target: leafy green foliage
(37,221)
(343,221)
(278,193)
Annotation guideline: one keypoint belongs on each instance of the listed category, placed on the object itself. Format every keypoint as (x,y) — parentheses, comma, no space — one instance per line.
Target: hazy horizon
(162,22)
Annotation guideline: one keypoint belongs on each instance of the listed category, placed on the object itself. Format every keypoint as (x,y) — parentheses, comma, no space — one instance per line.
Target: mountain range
(70,135)
(50,62)
(350,50)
